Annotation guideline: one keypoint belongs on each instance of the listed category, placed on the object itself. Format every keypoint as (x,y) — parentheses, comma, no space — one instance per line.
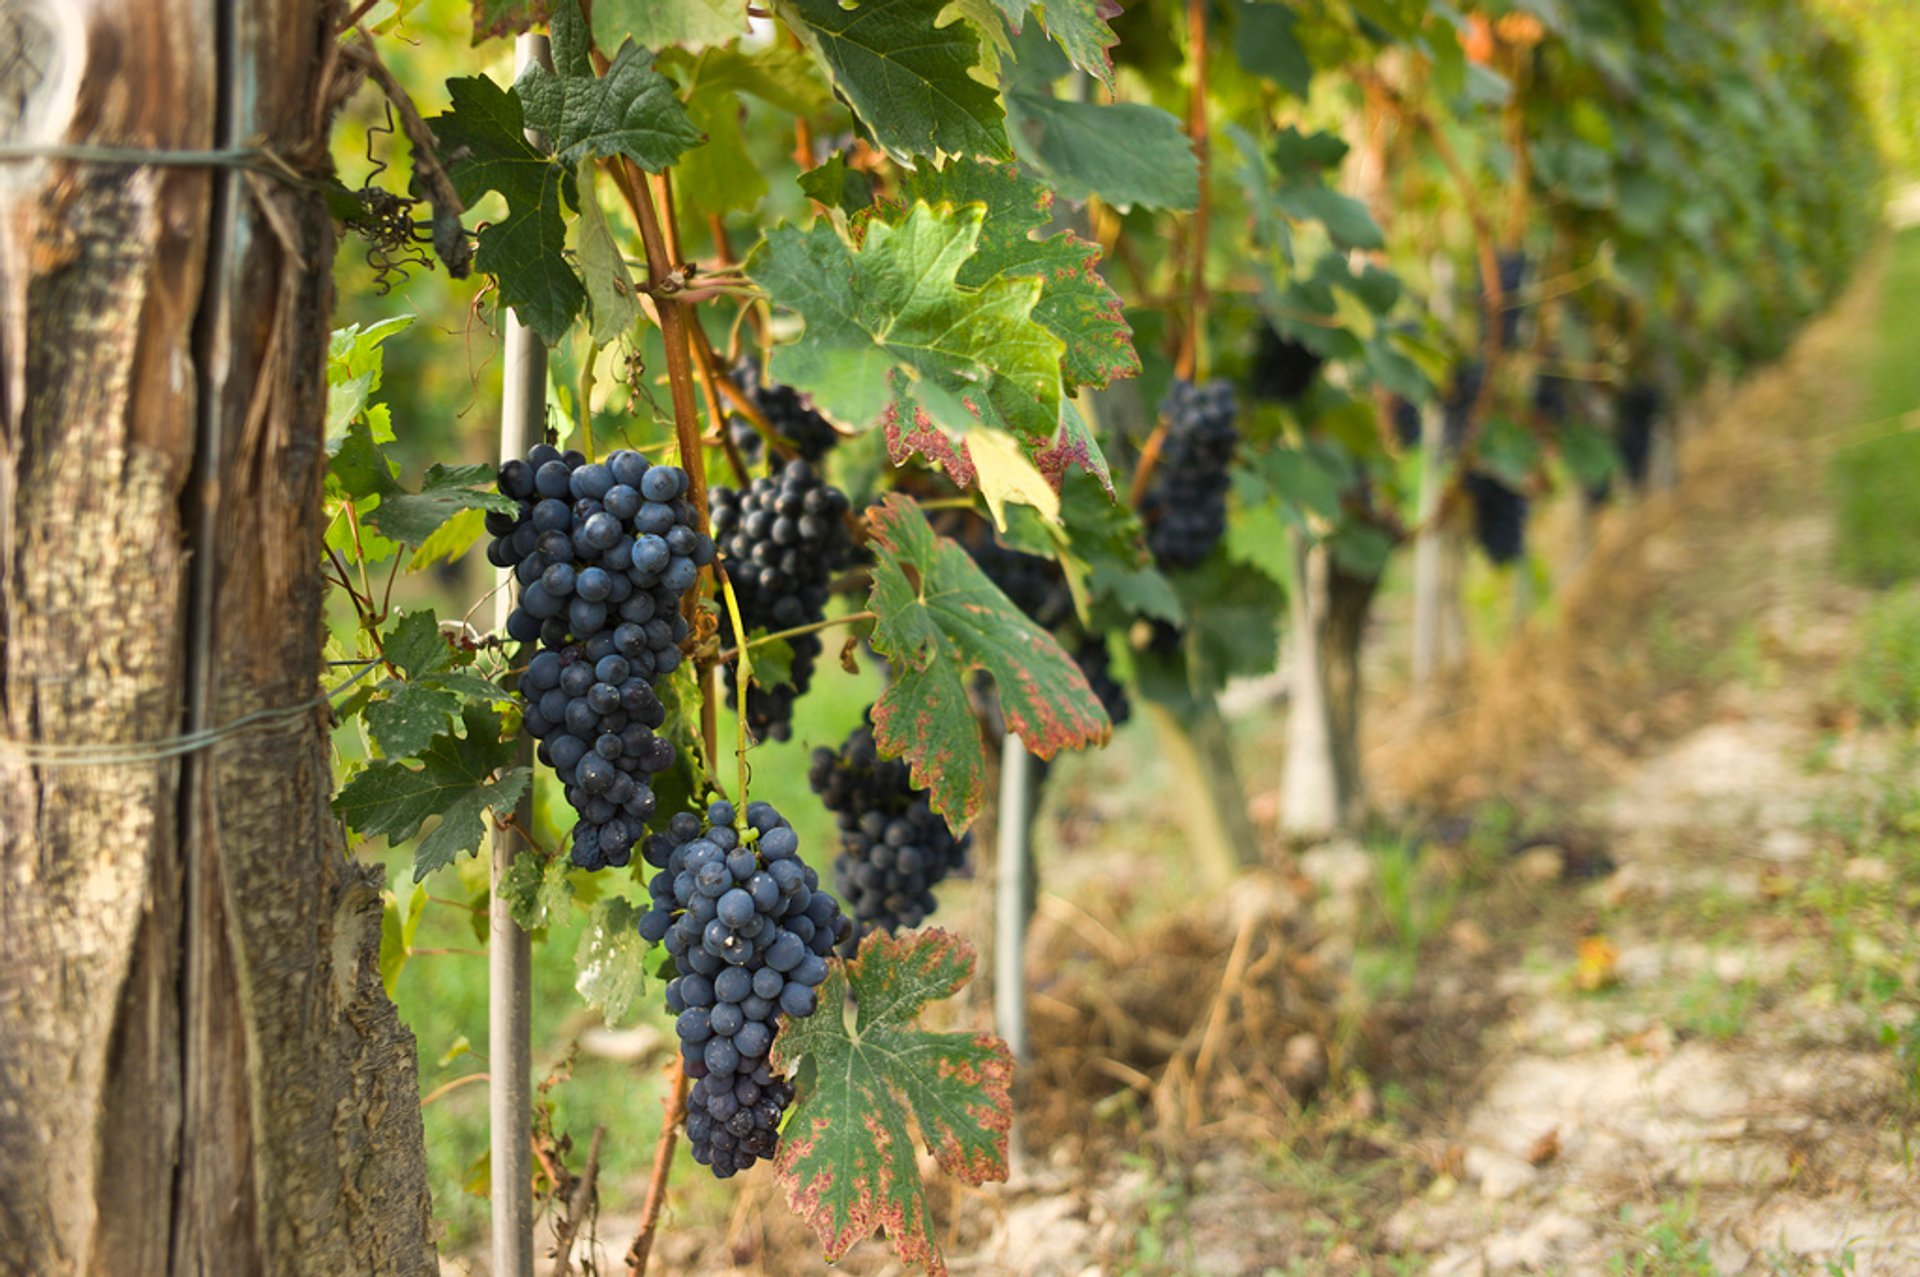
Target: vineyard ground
(1634,993)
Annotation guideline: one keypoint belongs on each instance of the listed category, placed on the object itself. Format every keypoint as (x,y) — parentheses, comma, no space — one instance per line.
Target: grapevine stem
(1149,459)
(812,627)
(1193,359)
(741,679)
(359,555)
(662,1167)
(742,402)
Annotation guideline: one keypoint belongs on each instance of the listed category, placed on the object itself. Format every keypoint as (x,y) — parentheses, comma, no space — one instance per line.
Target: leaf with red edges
(941,618)
(847,1156)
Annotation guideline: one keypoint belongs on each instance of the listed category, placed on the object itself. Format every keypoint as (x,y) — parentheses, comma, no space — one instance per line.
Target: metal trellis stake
(523,414)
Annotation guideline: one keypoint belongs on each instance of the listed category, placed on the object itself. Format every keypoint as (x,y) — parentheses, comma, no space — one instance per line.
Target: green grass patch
(1875,480)
(1881,681)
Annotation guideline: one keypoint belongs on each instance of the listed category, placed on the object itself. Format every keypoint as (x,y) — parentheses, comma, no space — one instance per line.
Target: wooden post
(199,1070)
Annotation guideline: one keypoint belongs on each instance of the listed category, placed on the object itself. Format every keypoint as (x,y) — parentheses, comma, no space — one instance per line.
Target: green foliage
(1882,678)
(869,1078)
(906,75)
(461,777)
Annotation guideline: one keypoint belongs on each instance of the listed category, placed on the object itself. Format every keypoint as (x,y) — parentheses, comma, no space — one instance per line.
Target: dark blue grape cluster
(781,541)
(786,410)
(894,848)
(1638,409)
(1096,662)
(749,930)
(602,553)
(1283,369)
(1499,517)
(1185,508)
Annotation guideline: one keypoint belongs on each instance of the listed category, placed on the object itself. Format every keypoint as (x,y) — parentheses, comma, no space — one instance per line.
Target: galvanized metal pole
(1011,906)
(523,414)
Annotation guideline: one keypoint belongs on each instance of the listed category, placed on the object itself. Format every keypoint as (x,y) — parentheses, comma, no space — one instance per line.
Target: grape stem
(676,1107)
(746,664)
(742,678)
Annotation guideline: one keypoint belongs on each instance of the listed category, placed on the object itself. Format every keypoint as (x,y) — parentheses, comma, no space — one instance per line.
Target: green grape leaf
(1233,628)
(493,18)
(407,718)
(613,304)
(450,540)
(939,619)
(1079,25)
(455,780)
(1127,153)
(655,24)
(1265,44)
(608,964)
(411,517)
(483,142)
(1076,305)
(908,77)
(869,1080)
(893,338)
(361,466)
(723,175)
(835,185)
(415,646)
(399,923)
(632,110)
(354,365)
(536,890)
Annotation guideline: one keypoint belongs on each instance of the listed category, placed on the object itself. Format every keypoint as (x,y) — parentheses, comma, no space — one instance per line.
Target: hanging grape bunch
(601,553)
(894,849)
(785,409)
(1638,407)
(1499,517)
(781,541)
(749,931)
(1283,369)
(1185,507)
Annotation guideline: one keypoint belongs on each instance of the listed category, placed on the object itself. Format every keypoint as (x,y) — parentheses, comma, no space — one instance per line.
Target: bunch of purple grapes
(602,553)
(749,930)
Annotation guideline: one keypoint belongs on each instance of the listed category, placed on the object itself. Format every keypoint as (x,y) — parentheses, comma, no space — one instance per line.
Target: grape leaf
(1079,25)
(505,17)
(632,110)
(847,1156)
(1264,42)
(408,716)
(1127,153)
(723,175)
(655,24)
(608,962)
(483,143)
(399,923)
(891,335)
(939,619)
(411,517)
(835,185)
(455,781)
(908,77)
(536,890)
(361,466)
(1075,305)
(612,303)
(450,540)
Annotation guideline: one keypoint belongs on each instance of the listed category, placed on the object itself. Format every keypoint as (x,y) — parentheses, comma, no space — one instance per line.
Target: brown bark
(199,1070)
(1343,629)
